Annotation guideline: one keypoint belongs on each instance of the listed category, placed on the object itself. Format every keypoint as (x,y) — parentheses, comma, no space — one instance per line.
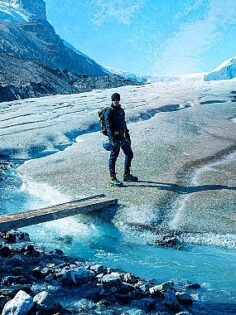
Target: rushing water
(98,240)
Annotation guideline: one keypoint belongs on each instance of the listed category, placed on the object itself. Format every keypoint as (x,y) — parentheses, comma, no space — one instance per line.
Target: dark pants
(126,148)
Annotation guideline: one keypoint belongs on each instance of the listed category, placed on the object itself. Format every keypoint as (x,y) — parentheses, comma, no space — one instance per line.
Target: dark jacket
(115,123)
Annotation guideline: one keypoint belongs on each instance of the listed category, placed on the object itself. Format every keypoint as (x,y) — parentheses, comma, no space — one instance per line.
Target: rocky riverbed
(33,281)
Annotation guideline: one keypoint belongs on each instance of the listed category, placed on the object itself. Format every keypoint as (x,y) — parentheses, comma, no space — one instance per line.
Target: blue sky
(157,37)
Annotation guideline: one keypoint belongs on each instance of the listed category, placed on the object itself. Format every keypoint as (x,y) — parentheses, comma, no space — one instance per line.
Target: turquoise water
(99,241)
(96,239)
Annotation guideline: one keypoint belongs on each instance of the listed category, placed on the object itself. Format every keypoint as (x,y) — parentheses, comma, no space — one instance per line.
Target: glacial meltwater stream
(96,239)
(181,138)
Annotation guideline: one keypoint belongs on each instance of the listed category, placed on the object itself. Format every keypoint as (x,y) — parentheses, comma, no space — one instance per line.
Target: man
(118,134)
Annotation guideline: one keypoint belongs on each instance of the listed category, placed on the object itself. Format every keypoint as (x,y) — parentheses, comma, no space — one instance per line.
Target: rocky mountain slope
(25,78)
(225,71)
(25,33)
(35,61)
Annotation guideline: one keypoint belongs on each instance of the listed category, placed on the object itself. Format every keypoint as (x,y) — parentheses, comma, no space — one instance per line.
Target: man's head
(115,99)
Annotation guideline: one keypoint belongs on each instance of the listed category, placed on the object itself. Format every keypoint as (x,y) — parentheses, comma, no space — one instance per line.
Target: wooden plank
(85,205)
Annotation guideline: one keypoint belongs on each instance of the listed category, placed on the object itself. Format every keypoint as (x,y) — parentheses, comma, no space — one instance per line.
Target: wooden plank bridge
(71,208)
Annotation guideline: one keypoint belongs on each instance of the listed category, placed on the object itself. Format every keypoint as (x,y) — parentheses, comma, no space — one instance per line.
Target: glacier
(183,138)
(225,71)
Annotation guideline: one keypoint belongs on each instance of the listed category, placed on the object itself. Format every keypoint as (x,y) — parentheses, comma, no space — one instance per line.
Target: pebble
(50,271)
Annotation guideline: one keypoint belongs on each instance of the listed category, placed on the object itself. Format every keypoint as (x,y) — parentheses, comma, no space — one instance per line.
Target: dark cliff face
(35,61)
(21,79)
(35,39)
(38,41)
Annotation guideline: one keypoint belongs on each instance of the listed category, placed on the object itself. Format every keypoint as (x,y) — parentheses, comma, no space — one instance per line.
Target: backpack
(102,121)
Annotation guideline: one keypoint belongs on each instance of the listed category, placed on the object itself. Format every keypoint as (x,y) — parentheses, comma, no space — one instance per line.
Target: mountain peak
(28,10)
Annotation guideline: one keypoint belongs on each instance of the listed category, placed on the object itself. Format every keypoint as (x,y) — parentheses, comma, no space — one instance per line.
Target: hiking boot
(130,178)
(115,181)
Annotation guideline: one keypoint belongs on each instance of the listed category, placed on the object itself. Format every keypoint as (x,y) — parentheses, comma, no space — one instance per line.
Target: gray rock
(194,286)
(14,236)
(122,298)
(93,294)
(112,279)
(17,271)
(99,277)
(146,304)
(127,287)
(129,278)
(20,305)
(36,272)
(3,300)
(16,260)
(97,268)
(46,303)
(13,289)
(49,278)
(77,276)
(170,300)
(84,306)
(9,280)
(5,251)
(156,290)
(104,302)
(161,287)
(184,298)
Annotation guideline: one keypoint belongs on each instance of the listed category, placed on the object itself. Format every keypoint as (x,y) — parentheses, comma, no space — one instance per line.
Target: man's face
(116,103)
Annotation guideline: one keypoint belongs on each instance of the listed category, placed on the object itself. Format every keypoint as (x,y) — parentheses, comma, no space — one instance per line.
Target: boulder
(3,300)
(9,280)
(144,287)
(112,279)
(184,298)
(161,287)
(122,298)
(126,287)
(171,301)
(20,305)
(146,304)
(98,268)
(46,303)
(29,249)
(93,294)
(57,252)
(77,276)
(18,271)
(13,289)
(16,261)
(36,272)
(5,251)
(129,278)
(14,236)
(194,286)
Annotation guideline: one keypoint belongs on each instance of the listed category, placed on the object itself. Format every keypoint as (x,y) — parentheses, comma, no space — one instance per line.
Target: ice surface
(175,132)
(183,140)
(225,71)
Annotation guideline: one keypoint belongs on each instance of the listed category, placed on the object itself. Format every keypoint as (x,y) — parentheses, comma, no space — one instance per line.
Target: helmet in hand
(107,145)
